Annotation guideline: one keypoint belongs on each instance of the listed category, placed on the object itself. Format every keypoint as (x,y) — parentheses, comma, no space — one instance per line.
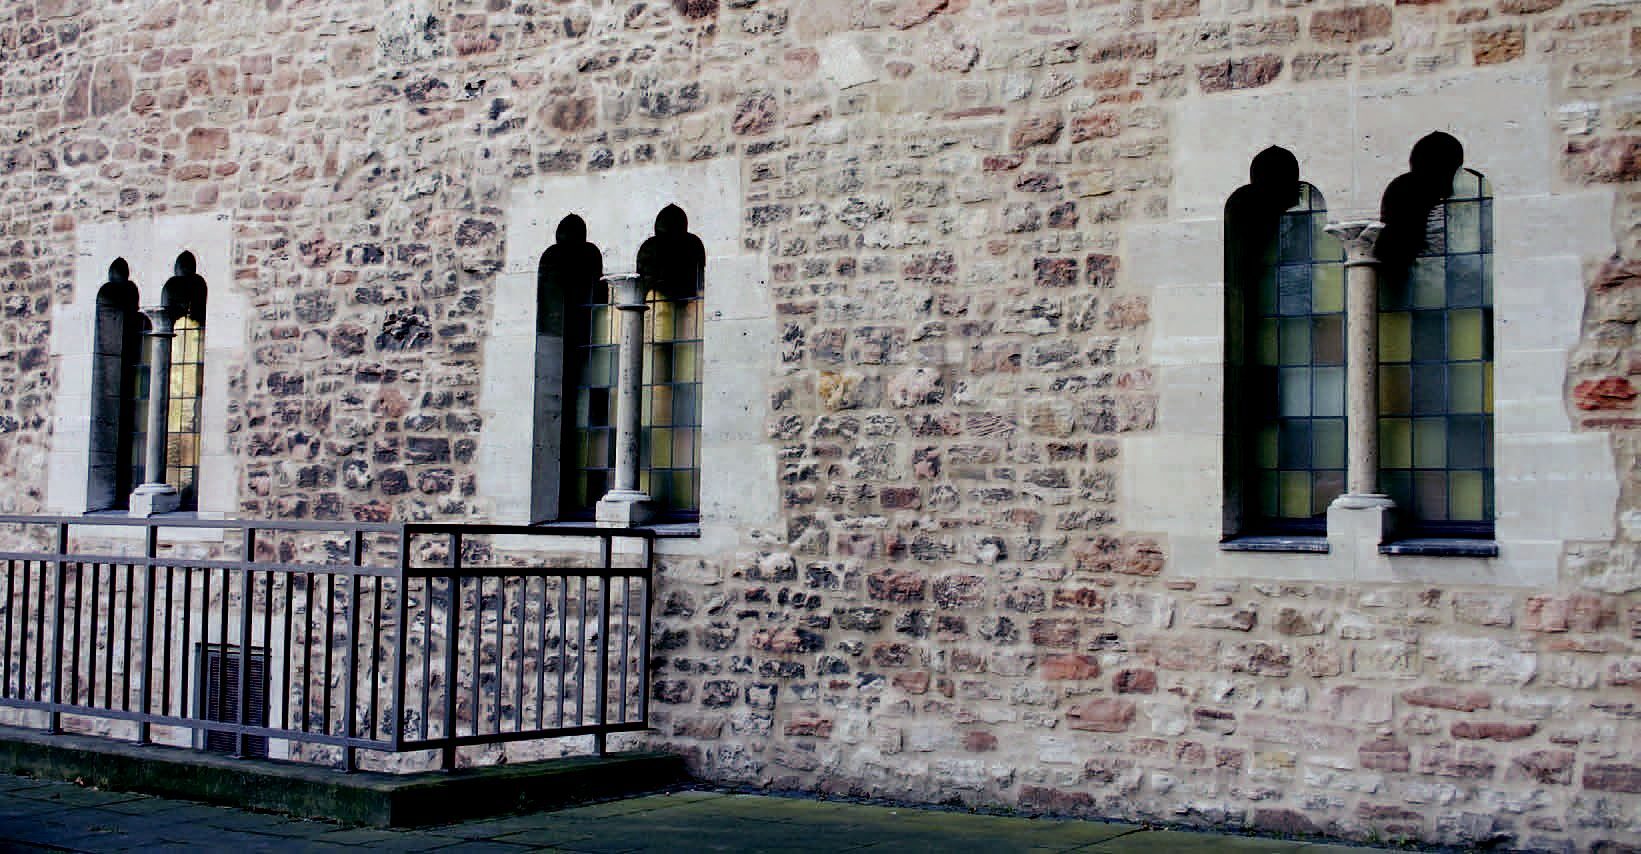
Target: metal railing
(327,638)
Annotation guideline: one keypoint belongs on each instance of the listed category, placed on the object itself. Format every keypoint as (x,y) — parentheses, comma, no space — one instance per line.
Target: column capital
(163,319)
(627,291)
(1359,236)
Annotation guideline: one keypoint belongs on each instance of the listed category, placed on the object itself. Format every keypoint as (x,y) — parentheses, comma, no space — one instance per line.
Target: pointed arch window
(672,268)
(119,379)
(1285,378)
(184,301)
(574,379)
(1436,443)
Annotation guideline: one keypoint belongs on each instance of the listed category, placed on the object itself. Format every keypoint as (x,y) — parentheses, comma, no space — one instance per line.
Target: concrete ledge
(307,791)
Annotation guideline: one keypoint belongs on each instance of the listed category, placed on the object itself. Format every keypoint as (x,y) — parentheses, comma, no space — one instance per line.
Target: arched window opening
(1285,360)
(184,298)
(672,267)
(575,376)
(118,377)
(1436,345)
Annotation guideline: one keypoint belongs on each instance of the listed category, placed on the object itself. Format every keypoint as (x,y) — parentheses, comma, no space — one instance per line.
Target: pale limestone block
(1172,483)
(518,292)
(1191,400)
(1501,117)
(1539,304)
(1188,323)
(1182,252)
(844,64)
(739,289)
(1557,486)
(1579,224)
(1216,137)
(1527,388)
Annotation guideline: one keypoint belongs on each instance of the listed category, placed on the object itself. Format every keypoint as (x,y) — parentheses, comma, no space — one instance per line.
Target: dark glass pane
(1295,238)
(1328,340)
(1294,294)
(1430,495)
(1429,336)
(1465,285)
(1429,388)
(1467,443)
(1295,443)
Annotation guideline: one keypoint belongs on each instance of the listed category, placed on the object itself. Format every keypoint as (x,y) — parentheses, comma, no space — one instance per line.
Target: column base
(152,499)
(1356,517)
(624,508)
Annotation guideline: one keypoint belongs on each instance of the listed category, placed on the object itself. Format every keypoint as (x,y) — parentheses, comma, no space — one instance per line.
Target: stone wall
(964,591)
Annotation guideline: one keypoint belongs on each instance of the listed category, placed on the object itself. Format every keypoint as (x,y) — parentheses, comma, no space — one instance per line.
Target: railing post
(247,601)
(350,692)
(151,549)
(454,623)
(55,723)
(644,632)
(402,629)
(601,738)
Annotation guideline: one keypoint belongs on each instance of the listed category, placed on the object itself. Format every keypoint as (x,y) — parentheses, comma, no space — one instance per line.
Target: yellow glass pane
(1487,387)
(1465,334)
(686,363)
(1395,336)
(602,332)
(1296,494)
(1265,447)
(1395,443)
(1327,288)
(1430,443)
(661,448)
(1466,497)
(1467,388)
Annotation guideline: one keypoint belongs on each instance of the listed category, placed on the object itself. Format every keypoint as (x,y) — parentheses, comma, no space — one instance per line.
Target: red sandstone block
(1494,731)
(1455,699)
(1613,777)
(1102,715)
(809,725)
(1136,682)
(1070,667)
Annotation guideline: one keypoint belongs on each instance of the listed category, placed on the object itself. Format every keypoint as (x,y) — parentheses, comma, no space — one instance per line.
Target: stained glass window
(670,446)
(1436,370)
(1295,372)
(182,419)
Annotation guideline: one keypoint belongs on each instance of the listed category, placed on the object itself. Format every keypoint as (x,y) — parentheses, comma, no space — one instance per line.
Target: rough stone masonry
(963,335)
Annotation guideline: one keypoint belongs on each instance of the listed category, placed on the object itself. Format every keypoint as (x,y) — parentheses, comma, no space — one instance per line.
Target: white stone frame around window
(738,487)
(1554,486)
(150,247)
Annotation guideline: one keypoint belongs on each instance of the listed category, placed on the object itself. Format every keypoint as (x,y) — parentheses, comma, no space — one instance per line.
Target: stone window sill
(1441,547)
(662,531)
(1277,545)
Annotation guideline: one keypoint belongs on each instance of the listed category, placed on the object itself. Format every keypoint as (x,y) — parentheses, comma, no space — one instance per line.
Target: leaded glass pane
(1436,366)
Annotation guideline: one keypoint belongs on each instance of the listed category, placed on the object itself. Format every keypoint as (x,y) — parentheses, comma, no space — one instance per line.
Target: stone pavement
(46,816)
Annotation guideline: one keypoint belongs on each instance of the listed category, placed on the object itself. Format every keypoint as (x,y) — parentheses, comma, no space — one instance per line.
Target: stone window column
(1362,495)
(625,505)
(155,495)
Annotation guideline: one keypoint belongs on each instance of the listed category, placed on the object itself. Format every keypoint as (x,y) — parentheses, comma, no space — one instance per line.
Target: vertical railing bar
(221,713)
(453,622)
(74,645)
(22,641)
(165,640)
(11,613)
(563,642)
(289,647)
(603,680)
(644,632)
(376,656)
(501,649)
(581,659)
(61,574)
(40,635)
(541,657)
(185,699)
(401,628)
(519,643)
(125,654)
(350,692)
(478,644)
(247,590)
(151,549)
(427,657)
(330,652)
(626,639)
(307,654)
(268,644)
(96,625)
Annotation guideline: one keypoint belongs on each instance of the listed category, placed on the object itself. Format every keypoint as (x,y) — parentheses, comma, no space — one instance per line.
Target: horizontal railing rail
(319,636)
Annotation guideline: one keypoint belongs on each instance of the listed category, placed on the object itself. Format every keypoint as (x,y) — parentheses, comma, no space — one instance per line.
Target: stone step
(310,791)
